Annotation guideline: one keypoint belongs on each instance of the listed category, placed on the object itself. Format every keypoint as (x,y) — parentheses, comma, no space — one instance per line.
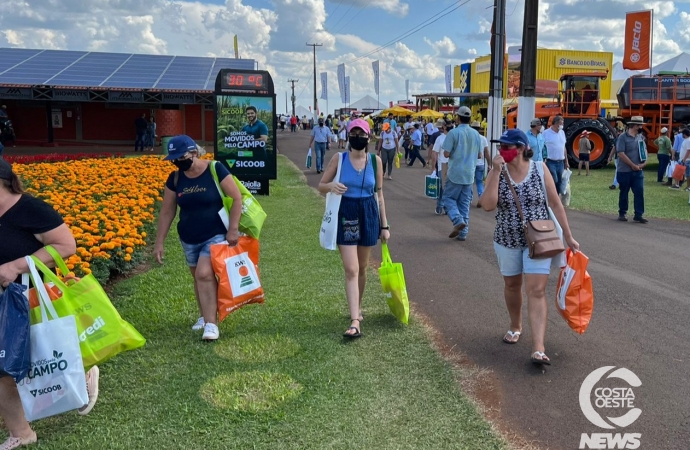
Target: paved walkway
(641,285)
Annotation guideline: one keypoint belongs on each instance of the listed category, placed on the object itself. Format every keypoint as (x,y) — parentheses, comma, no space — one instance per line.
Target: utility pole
(495,113)
(315,100)
(293,98)
(528,64)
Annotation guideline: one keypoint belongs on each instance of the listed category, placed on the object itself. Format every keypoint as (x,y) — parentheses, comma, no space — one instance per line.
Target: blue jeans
(320,150)
(139,141)
(456,200)
(414,155)
(628,181)
(192,252)
(556,168)
(479,180)
(663,164)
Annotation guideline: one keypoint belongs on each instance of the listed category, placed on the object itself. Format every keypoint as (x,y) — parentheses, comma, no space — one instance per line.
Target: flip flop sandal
(513,335)
(539,361)
(357,332)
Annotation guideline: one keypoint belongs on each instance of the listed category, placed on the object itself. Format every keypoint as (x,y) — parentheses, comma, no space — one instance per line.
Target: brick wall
(192,121)
(106,124)
(209,125)
(169,122)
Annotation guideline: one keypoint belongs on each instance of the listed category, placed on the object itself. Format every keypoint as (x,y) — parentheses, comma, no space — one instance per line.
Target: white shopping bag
(671,167)
(565,179)
(56,382)
(329,224)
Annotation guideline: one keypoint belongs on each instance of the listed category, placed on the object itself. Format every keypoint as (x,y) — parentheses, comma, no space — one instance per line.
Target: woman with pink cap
(362,214)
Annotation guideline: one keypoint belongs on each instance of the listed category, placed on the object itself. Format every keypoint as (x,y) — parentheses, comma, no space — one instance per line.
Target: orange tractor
(663,101)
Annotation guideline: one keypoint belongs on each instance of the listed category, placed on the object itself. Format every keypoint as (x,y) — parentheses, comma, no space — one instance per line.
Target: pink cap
(359,123)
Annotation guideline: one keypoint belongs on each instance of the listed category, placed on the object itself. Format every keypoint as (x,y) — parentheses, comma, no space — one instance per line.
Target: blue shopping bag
(15,350)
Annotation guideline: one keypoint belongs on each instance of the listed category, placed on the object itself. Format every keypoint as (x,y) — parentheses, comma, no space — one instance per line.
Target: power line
(351,18)
(436,17)
(343,16)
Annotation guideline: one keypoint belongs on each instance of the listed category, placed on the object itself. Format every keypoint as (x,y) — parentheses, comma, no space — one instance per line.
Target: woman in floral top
(533,185)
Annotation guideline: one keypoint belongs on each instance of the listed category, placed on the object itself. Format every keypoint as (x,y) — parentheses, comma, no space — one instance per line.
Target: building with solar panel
(76,97)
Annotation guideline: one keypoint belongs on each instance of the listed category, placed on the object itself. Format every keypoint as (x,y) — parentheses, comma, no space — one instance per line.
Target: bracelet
(386,227)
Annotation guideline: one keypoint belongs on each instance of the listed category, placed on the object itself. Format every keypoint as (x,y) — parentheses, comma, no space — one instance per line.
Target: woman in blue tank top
(362,215)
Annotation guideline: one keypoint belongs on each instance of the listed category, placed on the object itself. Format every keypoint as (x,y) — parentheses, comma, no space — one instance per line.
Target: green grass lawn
(281,376)
(592,193)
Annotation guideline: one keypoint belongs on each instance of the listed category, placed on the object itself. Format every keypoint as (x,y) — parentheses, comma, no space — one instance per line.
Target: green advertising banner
(245,135)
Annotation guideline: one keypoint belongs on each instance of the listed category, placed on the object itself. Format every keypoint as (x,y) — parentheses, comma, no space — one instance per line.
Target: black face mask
(358,142)
(184,165)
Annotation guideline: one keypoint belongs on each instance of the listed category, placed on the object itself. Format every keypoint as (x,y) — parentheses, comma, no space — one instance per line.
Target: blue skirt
(358,222)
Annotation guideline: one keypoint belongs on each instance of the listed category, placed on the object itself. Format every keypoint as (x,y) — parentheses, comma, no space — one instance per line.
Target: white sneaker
(199,324)
(211,332)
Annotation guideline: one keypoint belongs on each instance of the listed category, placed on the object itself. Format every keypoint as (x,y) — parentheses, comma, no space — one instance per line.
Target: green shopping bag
(393,283)
(253,215)
(102,332)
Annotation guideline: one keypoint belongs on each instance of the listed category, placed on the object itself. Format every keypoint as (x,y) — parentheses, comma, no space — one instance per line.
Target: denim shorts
(516,261)
(193,252)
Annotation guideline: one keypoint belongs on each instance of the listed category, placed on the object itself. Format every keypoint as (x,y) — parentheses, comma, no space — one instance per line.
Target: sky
(354,32)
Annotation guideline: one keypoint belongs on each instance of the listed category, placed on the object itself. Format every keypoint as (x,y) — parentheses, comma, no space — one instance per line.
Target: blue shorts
(193,252)
(516,261)
(358,222)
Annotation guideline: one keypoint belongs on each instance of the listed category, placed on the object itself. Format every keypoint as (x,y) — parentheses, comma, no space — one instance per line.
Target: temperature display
(245,81)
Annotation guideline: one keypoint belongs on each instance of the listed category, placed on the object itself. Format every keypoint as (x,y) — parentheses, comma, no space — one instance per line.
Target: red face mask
(508,153)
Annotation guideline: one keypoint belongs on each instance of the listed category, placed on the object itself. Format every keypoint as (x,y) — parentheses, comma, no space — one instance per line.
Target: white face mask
(560,127)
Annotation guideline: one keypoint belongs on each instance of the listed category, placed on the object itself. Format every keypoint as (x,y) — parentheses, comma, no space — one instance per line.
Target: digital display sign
(244,81)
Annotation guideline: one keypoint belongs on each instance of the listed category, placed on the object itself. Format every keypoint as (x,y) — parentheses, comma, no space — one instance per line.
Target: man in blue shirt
(320,135)
(416,145)
(536,140)
(392,121)
(256,127)
(462,145)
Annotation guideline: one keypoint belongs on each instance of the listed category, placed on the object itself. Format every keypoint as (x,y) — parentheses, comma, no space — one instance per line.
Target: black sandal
(542,360)
(357,332)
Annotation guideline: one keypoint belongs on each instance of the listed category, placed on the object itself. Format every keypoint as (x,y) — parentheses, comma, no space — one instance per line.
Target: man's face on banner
(251,115)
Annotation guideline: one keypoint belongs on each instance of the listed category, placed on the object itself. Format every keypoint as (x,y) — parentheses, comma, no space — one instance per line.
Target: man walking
(629,171)
(320,135)
(140,126)
(557,155)
(461,146)
(536,140)
(664,145)
(416,146)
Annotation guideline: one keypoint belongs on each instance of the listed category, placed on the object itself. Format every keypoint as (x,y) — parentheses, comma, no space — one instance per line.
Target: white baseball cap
(664,130)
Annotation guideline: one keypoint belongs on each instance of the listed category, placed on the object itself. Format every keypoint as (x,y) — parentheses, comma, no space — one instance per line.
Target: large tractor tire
(601,135)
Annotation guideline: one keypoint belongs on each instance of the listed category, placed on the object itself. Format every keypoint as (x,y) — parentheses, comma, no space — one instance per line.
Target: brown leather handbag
(541,235)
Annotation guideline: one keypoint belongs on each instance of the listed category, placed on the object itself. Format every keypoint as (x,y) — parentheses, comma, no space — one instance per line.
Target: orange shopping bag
(237,269)
(678,172)
(574,296)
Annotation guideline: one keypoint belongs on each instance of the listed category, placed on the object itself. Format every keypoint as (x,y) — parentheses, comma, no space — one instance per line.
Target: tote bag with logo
(328,233)
(56,382)
(393,283)
(102,331)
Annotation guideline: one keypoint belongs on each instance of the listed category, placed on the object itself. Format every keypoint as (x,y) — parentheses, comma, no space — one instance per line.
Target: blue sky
(274,32)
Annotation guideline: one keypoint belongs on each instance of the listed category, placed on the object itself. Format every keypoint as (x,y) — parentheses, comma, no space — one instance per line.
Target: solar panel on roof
(10,57)
(41,67)
(112,70)
(91,70)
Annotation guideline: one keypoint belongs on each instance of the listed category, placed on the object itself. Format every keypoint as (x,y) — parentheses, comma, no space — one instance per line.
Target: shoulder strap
(176,178)
(512,189)
(540,171)
(215,178)
(374,164)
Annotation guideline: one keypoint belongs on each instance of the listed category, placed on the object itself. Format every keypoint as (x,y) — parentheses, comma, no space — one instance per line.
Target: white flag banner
(347,90)
(448,79)
(324,85)
(407,89)
(375,66)
(341,81)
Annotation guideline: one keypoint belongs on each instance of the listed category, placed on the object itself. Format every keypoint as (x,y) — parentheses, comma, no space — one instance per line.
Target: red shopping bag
(237,269)
(679,172)
(574,296)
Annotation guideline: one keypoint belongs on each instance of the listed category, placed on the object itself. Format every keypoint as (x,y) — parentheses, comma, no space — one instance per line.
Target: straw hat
(636,120)
(475,124)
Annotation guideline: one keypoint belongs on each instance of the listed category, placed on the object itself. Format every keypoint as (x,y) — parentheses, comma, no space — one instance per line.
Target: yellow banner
(582,62)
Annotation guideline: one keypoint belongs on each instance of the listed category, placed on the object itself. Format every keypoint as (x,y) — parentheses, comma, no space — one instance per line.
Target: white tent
(302,111)
(368,103)
(680,63)
(619,73)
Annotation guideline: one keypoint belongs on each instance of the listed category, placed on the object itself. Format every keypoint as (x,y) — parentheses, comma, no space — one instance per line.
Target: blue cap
(513,137)
(179,146)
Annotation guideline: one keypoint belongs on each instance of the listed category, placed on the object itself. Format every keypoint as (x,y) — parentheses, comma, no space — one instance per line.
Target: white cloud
(395,7)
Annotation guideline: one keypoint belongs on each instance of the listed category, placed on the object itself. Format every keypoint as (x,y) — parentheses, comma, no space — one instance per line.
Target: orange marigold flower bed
(109,204)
